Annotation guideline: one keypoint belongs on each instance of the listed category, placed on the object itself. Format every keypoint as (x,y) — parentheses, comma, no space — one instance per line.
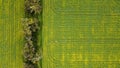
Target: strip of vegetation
(31,26)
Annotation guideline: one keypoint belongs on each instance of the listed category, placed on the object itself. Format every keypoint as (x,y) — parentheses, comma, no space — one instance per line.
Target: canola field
(76,34)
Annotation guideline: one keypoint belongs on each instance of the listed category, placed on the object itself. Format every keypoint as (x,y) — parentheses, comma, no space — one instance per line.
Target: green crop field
(76,34)
(81,34)
(11,35)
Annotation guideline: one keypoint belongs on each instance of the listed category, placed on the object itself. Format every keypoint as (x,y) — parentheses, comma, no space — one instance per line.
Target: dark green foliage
(33,6)
(31,27)
(29,65)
